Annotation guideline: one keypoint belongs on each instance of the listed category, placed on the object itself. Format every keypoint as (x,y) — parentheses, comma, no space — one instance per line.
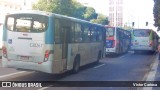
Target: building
(27,4)
(9,6)
(116,13)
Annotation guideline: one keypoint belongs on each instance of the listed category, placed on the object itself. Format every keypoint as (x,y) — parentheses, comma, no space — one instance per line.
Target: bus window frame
(17,16)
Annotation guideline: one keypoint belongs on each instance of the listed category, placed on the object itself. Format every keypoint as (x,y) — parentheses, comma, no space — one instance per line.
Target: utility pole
(138,21)
(115,13)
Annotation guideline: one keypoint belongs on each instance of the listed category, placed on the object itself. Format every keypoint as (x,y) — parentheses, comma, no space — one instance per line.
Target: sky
(101,6)
(138,11)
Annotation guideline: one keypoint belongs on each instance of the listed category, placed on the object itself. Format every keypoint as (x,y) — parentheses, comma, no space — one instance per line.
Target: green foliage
(64,7)
(70,8)
(101,19)
(156,12)
(90,13)
(79,10)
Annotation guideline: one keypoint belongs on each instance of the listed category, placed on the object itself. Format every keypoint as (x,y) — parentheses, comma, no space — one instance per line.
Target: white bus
(50,43)
(118,41)
(144,40)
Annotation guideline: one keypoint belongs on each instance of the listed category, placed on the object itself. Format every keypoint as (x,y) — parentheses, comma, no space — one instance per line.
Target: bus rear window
(26,23)
(142,33)
(110,32)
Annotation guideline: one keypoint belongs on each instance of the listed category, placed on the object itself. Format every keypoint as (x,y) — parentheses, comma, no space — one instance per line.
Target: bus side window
(10,23)
(78,33)
(57,32)
(106,33)
(93,34)
(99,34)
(72,33)
(86,33)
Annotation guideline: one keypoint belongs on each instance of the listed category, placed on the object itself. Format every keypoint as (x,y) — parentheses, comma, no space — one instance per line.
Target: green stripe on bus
(151,36)
(132,36)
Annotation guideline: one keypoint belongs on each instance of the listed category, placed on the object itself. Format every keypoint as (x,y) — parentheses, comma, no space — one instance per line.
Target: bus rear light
(150,44)
(113,44)
(47,53)
(4,50)
(39,62)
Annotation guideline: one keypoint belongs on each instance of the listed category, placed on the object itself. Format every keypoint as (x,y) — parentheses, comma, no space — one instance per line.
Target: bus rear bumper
(43,67)
(110,50)
(142,48)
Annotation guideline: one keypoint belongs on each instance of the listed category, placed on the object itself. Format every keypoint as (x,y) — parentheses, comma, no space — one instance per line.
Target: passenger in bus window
(23,29)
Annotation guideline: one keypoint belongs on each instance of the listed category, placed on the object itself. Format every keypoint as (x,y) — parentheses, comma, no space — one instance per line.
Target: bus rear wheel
(76,65)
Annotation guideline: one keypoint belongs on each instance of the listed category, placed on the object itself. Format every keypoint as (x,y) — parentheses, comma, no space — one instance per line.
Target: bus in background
(1,34)
(50,43)
(144,40)
(118,41)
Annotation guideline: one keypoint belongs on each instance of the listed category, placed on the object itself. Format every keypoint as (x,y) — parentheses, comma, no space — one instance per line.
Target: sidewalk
(0,53)
(157,77)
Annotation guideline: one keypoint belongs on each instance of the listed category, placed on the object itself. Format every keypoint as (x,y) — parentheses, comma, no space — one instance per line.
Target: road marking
(99,66)
(51,85)
(130,51)
(123,55)
(12,74)
(152,73)
(45,87)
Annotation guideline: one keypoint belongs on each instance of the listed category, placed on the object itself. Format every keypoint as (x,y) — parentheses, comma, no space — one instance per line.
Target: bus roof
(142,29)
(49,14)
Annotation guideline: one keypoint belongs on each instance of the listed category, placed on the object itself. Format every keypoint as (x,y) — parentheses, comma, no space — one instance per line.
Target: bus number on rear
(36,45)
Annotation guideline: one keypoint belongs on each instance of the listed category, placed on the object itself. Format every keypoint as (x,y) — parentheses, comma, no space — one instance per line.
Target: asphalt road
(127,67)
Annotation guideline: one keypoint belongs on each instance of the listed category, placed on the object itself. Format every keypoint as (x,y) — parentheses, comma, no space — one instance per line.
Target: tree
(90,13)
(101,19)
(156,12)
(64,7)
(69,8)
(80,10)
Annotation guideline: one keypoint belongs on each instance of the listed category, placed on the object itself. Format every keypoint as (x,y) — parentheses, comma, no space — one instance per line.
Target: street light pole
(138,21)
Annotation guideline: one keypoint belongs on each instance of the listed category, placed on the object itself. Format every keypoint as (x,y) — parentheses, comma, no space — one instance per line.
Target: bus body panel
(118,42)
(44,67)
(144,39)
(85,50)
(111,43)
(40,52)
(37,66)
(141,43)
(25,46)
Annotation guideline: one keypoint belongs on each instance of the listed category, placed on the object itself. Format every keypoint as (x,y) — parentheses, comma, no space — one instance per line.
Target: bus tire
(136,51)
(98,57)
(76,64)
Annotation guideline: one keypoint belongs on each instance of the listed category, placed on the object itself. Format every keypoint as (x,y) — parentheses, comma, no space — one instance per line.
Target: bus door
(64,46)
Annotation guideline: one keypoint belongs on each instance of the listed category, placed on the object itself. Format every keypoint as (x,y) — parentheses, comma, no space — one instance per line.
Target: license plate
(136,43)
(24,57)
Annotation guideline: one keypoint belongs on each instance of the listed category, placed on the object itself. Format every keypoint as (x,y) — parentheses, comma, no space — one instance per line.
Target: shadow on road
(40,76)
(115,55)
(145,53)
